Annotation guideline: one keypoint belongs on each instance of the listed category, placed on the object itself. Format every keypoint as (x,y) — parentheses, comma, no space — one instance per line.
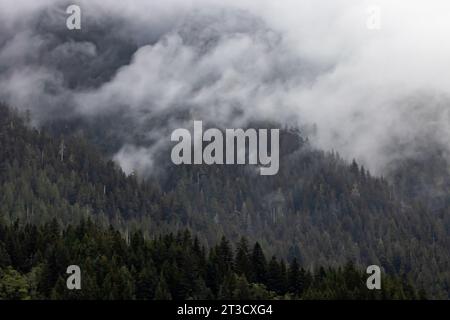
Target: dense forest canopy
(33,261)
(318,211)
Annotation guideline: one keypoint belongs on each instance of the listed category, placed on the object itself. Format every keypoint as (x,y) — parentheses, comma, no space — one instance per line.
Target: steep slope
(318,209)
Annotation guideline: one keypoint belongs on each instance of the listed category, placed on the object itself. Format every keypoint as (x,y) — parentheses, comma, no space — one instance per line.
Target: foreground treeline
(33,263)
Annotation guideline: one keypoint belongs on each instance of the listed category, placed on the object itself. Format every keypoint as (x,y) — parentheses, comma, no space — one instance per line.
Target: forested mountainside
(33,261)
(319,209)
(425,179)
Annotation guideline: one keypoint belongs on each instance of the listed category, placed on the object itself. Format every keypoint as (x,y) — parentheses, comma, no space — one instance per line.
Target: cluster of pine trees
(318,210)
(33,262)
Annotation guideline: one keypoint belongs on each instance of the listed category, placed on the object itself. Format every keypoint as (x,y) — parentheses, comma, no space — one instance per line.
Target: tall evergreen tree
(259,264)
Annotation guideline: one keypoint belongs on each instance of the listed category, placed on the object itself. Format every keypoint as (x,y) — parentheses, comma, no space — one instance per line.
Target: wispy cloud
(374,95)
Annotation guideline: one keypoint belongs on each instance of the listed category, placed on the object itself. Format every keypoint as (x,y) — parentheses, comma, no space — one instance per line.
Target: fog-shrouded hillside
(364,175)
(319,209)
(378,96)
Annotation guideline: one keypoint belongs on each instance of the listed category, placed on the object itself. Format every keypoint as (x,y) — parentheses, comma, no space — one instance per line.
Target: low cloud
(374,95)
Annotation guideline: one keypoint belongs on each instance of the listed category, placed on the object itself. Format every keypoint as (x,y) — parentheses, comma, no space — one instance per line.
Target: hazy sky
(376,95)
